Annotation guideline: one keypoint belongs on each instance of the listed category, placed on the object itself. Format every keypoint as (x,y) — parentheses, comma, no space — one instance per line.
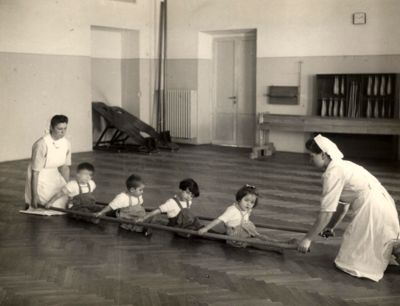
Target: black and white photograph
(199,152)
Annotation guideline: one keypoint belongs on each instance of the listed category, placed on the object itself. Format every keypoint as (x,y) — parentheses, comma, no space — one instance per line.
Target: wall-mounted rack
(284,95)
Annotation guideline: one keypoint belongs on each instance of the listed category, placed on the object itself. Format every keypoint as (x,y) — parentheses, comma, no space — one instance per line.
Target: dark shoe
(396,252)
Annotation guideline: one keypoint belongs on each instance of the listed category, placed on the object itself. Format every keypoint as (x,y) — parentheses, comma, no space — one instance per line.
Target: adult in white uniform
(370,238)
(49,170)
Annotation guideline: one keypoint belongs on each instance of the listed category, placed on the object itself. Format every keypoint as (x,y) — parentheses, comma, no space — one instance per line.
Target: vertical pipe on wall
(152,67)
(164,60)
(160,66)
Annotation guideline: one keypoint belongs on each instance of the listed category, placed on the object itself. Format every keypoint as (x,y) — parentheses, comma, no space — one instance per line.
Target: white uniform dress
(368,240)
(47,156)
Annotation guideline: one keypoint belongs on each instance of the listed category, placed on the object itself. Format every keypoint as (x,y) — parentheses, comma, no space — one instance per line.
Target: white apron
(50,181)
(367,243)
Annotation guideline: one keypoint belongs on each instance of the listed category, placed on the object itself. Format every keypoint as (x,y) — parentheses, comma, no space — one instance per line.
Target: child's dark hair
(312,146)
(191,185)
(244,191)
(133,181)
(85,166)
(57,119)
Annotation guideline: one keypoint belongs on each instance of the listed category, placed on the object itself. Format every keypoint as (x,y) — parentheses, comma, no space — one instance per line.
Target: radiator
(181,113)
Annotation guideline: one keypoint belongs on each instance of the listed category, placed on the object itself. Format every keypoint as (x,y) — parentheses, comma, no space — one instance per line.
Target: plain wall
(45,56)
(45,66)
(318,33)
(115,72)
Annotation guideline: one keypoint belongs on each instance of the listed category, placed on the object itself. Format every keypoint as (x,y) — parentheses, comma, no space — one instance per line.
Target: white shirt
(172,209)
(122,201)
(232,216)
(50,153)
(345,180)
(72,188)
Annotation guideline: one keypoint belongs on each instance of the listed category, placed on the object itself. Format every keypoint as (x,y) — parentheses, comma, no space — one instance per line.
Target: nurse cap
(328,146)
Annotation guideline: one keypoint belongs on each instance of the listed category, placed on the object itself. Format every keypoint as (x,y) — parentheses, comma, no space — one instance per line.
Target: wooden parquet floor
(58,261)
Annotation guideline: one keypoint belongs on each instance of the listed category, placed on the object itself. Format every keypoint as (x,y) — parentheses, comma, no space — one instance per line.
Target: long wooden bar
(261,225)
(266,244)
(292,123)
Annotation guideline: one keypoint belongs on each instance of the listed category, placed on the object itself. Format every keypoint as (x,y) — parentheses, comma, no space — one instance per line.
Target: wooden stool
(263,151)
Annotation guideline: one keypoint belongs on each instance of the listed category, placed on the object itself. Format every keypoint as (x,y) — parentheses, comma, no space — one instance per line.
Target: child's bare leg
(277,240)
(158,219)
(266,248)
(269,248)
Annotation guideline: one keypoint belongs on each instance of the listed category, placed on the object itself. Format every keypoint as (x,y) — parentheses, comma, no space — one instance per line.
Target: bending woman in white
(49,170)
(370,238)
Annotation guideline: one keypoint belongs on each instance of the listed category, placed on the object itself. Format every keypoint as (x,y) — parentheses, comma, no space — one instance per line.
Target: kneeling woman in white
(368,241)
(48,170)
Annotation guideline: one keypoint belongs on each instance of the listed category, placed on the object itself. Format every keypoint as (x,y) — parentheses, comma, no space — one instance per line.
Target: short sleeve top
(40,152)
(171,208)
(72,188)
(343,177)
(232,216)
(122,201)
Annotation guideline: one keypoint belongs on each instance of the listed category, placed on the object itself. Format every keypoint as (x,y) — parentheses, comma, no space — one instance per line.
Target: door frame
(228,37)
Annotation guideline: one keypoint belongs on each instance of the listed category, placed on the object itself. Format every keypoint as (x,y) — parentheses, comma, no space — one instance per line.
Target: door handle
(233,98)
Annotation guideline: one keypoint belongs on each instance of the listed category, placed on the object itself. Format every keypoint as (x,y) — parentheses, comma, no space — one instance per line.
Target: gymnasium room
(199,152)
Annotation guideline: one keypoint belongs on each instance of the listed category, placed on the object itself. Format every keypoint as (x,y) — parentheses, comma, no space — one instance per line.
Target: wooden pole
(267,245)
(260,225)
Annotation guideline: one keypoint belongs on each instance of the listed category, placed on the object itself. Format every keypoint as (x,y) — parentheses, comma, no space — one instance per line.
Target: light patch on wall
(117,43)
(205,41)
(205,45)
(106,42)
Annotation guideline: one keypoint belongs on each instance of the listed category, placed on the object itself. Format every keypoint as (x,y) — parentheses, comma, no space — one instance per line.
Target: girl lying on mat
(80,193)
(129,205)
(178,208)
(236,219)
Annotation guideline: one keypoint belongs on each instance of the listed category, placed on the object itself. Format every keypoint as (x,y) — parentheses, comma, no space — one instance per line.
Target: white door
(235,86)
